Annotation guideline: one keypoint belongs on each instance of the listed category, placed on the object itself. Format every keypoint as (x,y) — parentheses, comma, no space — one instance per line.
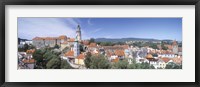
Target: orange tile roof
(169,47)
(109,54)
(165,59)
(50,38)
(149,56)
(177,60)
(69,53)
(45,38)
(81,56)
(71,40)
(63,37)
(30,51)
(113,47)
(115,60)
(28,61)
(119,52)
(125,46)
(121,46)
(37,38)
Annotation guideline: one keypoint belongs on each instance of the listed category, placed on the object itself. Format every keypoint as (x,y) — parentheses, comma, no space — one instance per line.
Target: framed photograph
(101,42)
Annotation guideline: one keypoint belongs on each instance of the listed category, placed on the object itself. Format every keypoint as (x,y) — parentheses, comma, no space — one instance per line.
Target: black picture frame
(98,2)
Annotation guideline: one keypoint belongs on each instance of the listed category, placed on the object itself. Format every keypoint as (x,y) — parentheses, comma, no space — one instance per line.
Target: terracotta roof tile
(30,51)
(28,61)
(119,52)
(63,37)
(177,60)
(149,56)
(71,40)
(81,56)
(69,53)
(165,59)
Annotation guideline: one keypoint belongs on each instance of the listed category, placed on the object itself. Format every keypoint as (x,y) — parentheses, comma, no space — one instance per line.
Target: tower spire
(78,33)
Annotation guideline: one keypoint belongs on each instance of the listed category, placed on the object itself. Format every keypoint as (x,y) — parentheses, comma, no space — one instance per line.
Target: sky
(154,28)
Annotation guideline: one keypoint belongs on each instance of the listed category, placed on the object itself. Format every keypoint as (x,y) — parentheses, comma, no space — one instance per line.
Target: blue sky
(156,28)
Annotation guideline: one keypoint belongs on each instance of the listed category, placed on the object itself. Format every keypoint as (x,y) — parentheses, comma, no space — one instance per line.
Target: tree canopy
(96,62)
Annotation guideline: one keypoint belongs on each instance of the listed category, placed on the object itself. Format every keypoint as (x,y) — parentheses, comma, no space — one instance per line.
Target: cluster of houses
(157,57)
(25,59)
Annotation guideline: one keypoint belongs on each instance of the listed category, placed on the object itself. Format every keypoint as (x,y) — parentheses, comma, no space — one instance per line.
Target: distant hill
(126,39)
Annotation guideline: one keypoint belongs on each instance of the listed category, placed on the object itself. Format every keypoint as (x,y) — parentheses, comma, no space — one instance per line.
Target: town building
(175,47)
(40,42)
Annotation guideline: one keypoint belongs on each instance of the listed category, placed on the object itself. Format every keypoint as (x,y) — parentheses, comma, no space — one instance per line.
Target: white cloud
(29,28)
(96,30)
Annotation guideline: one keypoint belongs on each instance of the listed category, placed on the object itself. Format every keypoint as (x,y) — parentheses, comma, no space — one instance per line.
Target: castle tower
(78,33)
(175,47)
(76,48)
(76,42)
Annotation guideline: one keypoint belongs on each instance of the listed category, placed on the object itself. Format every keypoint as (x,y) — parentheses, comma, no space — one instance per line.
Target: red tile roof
(30,51)
(71,40)
(165,59)
(119,52)
(81,56)
(149,56)
(63,37)
(28,61)
(115,60)
(69,53)
(177,60)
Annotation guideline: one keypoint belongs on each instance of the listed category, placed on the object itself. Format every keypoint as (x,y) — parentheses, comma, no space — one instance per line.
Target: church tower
(175,47)
(78,33)
(76,42)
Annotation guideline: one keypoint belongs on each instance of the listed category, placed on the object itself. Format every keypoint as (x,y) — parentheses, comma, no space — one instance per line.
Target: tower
(175,47)
(78,33)
(76,48)
(76,42)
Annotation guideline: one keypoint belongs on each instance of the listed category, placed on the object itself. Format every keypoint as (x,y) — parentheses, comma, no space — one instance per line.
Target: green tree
(97,62)
(132,65)
(57,46)
(54,63)
(88,60)
(81,48)
(48,55)
(163,46)
(26,46)
(106,44)
(154,46)
(66,49)
(65,65)
(121,64)
(173,65)
(31,46)
(145,65)
(38,56)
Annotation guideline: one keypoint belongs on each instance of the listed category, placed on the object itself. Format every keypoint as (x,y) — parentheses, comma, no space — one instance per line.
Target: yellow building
(80,59)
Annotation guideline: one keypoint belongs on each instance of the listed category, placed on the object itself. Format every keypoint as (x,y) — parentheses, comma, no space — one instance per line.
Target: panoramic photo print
(99,43)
